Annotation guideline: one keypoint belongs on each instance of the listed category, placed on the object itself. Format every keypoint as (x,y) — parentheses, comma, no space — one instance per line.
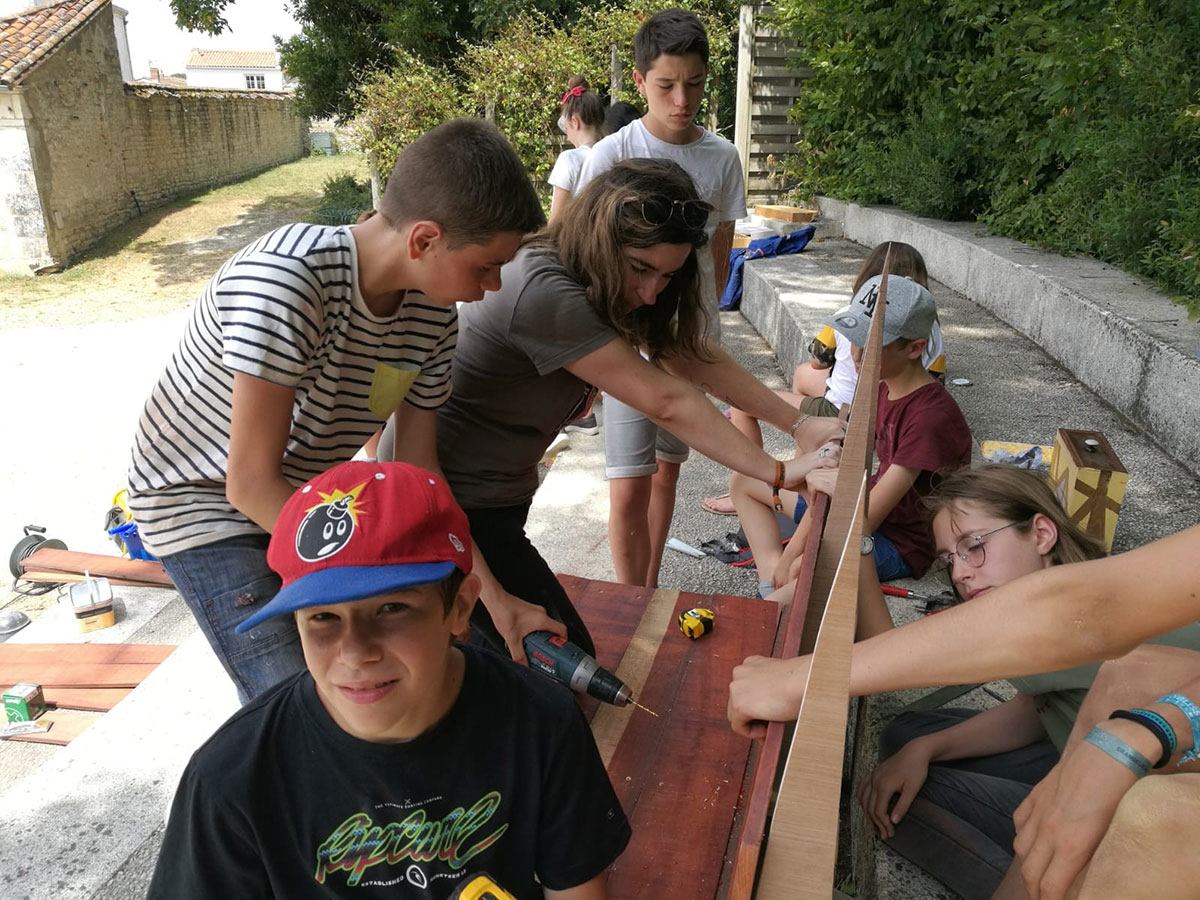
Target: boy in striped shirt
(302,344)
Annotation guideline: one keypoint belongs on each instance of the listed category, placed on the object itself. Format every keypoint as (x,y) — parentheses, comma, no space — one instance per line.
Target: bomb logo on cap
(328,526)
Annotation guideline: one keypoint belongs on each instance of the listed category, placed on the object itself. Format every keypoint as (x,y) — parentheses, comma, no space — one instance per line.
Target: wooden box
(785,213)
(1089,481)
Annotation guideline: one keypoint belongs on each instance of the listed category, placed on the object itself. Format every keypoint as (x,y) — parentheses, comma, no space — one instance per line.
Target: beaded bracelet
(1118,750)
(1189,709)
(1157,725)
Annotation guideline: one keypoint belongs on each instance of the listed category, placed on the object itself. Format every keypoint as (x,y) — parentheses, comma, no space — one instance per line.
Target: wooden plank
(801,850)
(609,722)
(66,725)
(89,654)
(679,774)
(785,213)
(766,767)
(72,675)
(95,699)
(49,577)
(51,560)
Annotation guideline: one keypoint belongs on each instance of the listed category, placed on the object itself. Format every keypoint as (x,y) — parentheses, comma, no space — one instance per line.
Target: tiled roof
(28,37)
(232,59)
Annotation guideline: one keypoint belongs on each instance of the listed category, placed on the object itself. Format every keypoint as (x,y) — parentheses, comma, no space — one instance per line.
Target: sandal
(721,505)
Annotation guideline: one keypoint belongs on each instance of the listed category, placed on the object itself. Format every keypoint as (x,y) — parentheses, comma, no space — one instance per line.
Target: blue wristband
(1192,711)
(1119,750)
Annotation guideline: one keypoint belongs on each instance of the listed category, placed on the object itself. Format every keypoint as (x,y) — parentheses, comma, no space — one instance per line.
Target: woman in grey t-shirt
(606,298)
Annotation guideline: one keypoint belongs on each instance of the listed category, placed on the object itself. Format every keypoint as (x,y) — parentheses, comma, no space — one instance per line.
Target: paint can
(92,604)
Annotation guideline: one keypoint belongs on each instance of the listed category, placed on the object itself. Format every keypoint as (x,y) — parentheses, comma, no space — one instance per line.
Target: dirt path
(159,262)
(80,351)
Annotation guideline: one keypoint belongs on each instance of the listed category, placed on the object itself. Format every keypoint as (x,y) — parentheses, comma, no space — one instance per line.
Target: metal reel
(34,539)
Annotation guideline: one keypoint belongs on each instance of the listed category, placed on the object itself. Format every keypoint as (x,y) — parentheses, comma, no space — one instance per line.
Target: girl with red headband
(582,121)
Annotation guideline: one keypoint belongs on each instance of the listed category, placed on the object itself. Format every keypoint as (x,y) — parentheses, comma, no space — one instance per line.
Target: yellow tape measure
(480,887)
(697,622)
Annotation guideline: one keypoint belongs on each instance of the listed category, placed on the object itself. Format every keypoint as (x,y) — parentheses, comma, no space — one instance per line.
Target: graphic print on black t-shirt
(416,845)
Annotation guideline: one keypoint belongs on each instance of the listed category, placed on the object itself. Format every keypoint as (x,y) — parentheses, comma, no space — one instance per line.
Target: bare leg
(746,424)
(629,527)
(1149,850)
(752,499)
(662,510)
(810,382)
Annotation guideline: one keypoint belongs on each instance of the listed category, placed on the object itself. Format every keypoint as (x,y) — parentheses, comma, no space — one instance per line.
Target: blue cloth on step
(763,248)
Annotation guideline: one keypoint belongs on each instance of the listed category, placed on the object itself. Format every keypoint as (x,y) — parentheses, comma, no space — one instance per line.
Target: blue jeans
(960,827)
(888,561)
(224,583)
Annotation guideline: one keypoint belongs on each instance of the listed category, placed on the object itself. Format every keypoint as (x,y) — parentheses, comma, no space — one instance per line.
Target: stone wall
(22,228)
(105,151)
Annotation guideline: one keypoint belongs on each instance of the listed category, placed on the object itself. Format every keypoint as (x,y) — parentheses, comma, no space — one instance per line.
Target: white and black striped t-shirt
(287,309)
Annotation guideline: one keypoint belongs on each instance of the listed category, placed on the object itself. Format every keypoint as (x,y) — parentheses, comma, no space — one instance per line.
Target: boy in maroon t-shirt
(919,434)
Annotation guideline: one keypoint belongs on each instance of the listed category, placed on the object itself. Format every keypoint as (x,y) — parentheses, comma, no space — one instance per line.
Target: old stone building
(83,150)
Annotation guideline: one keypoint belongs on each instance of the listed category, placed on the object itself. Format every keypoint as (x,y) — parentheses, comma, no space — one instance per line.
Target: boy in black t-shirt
(399,763)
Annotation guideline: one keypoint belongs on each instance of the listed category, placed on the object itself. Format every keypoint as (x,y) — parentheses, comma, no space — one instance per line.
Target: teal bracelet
(1192,711)
(1119,750)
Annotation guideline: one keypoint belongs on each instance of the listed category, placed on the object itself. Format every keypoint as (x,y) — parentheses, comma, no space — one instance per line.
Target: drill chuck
(568,664)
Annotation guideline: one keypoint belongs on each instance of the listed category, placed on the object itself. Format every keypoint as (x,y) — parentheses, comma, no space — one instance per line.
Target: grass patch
(160,261)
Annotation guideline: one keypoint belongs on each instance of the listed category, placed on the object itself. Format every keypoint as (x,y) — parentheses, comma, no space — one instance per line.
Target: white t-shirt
(567,167)
(716,170)
(839,388)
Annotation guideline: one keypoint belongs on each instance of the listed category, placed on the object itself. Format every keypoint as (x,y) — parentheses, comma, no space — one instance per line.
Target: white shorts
(633,444)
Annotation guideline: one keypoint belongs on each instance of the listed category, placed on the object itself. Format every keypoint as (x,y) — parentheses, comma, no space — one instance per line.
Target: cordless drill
(567,664)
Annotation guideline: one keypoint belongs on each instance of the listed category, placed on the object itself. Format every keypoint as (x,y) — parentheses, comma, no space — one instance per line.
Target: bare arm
(1135,680)
(596,889)
(559,201)
(416,443)
(1050,620)
(726,380)
(259,426)
(677,406)
(900,777)
(721,246)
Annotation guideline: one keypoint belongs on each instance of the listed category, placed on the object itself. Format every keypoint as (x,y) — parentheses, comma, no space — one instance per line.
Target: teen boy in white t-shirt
(641,462)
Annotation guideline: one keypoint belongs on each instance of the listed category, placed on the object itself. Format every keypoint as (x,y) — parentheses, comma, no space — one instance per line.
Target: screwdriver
(567,664)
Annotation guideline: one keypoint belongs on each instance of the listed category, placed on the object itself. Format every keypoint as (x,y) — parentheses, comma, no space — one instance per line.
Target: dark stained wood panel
(679,776)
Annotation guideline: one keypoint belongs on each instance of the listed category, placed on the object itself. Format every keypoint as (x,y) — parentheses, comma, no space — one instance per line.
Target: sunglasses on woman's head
(658,211)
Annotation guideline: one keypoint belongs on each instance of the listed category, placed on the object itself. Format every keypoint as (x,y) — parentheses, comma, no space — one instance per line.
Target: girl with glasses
(951,779)
(606,298)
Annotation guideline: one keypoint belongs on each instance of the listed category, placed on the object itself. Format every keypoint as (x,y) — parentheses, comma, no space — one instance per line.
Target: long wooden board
(90,654)
(679,775)
(78,675)
(93,699)
(76,666)
(766,767)
(827,540)
(73,562)
(801,849)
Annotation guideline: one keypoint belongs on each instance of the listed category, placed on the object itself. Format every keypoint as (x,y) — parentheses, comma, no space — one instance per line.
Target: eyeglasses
(658,211)
(971,549)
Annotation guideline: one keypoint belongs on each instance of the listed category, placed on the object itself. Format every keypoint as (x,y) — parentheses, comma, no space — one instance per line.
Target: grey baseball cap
(910,311)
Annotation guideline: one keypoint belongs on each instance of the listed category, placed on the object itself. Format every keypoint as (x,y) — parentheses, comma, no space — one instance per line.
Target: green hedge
(520,74)
(1070,124)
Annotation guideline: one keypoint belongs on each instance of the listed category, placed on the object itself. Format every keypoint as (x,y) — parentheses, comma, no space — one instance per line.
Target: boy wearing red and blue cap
(400,762)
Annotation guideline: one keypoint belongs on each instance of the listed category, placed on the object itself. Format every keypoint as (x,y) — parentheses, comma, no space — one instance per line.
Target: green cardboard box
(24,702)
